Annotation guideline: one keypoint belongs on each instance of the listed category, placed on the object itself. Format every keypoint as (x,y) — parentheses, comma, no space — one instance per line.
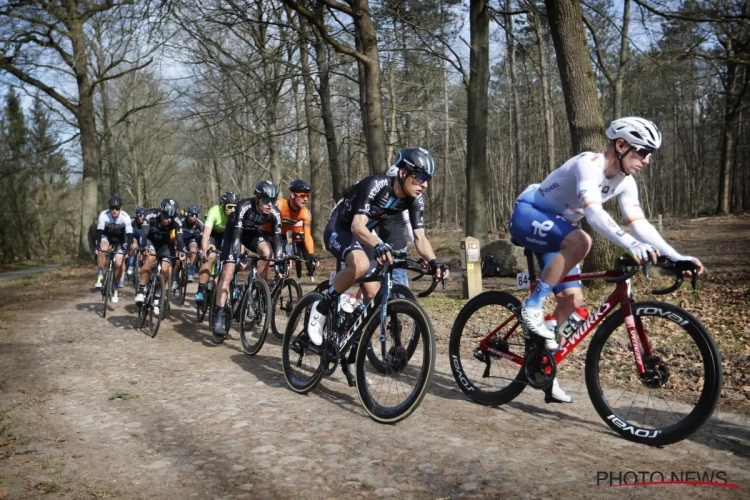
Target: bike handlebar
(677,267)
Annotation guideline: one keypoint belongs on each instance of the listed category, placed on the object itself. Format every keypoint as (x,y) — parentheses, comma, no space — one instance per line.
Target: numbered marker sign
(522,280)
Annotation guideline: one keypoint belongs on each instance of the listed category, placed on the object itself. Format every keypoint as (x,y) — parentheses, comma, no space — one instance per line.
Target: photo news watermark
(615,479)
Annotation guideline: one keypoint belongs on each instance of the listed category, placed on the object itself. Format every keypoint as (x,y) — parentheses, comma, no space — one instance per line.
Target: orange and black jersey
(299,221)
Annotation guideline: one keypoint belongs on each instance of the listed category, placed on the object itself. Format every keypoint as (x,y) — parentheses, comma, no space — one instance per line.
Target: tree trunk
(319,219)
(511,43)
(727,136)
(446,148)
(624,56)
(374,132)
(86,118)
(114,178)
(549,117)
(581,102)
(476,144)
(324,92)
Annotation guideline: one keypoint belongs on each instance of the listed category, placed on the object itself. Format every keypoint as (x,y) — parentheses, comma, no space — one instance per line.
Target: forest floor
(93,408)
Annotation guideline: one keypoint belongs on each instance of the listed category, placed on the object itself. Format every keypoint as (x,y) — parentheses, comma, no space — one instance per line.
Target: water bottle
(346,303)
(235,293)
(551,323)
(576,319)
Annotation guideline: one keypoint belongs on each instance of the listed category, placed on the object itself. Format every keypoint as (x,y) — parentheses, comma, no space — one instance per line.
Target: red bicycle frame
(621,296)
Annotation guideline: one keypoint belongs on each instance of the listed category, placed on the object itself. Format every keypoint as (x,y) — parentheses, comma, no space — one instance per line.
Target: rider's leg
(222,293)
(101,260)
(119,261)
(148,263)
(574,247)
(192,258)
(264,250)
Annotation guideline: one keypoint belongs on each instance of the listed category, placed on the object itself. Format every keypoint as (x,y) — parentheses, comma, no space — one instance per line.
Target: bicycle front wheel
(254,316)
(154,320)
(487,349)
(683,379)
(283,306)
(393,394)
(399,337)
(183,281)
(107,291)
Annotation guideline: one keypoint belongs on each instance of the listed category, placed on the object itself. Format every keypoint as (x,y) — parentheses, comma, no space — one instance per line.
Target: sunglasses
(115,208)
(422,178)
(643,152)
(230,207)
(302,196)
(267,199)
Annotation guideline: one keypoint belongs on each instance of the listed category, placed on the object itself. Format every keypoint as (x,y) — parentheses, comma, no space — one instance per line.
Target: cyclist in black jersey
(363,208)
(192,232)
(136,223)
(244,229)
(155,233)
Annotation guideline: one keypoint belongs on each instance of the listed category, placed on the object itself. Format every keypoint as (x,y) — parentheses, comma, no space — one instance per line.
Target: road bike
(151,301)
(653,372)
(285,293)
(388,394)
(209,294)
(235,300)
(108,282)
(256,311)
(183,279)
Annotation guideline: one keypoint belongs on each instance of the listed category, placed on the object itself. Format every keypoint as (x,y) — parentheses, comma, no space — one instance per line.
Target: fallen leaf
(23,462)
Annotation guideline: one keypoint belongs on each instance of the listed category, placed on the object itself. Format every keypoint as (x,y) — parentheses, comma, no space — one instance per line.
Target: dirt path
(11,275)
(93,408)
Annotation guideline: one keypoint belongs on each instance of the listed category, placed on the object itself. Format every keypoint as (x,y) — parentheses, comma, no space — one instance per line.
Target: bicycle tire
(154,321)
(183,282)
(464,362)
(259,296)
(296,349)
(372,355)
(295,292)
(670,320)
(399,369)
(218,339)
(106,291)
(208,296)
(143,309)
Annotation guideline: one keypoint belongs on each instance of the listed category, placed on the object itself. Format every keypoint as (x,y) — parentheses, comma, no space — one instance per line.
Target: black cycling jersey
(374,197)
(393,232)
(194,228)
(136,223)
(247,218)
(158,232)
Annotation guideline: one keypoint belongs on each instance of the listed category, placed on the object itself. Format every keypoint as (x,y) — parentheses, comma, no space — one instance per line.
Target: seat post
(530,264)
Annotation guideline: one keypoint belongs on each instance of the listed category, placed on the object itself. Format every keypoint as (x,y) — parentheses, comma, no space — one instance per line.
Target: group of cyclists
(367,227)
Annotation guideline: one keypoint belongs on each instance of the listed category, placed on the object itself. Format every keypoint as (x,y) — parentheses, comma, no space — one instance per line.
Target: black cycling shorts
(249,239)
(166,251)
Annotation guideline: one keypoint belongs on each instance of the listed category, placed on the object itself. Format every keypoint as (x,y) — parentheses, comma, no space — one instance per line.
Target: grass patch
(50,487)
(122,395)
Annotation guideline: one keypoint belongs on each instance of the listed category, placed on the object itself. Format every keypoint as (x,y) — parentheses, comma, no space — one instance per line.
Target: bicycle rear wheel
(485,339)
(300,358)
(683,379)
(154,320)
(394,394)
(285,301)
(254,316)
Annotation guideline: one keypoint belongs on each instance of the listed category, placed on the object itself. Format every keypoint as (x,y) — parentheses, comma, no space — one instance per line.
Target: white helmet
(637,131)
(392,171)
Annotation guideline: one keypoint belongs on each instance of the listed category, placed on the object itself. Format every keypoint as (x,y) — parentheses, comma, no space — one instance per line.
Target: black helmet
(114,202)
(140,210)
(417,160)
(229,198)
(300,186)
(193,210)
(169,207)
(267,188)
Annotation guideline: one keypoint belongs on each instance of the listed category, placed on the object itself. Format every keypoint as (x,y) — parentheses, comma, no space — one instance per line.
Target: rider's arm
(423,246)
(307,225)
(178,235)
(360,231)
(409,229)
(587,178)
(128,231)
(145,228)
(207,228)
(278,245)
(641,228)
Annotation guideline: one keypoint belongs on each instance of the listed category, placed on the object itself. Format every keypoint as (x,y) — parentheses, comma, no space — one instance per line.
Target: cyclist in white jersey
(543,220)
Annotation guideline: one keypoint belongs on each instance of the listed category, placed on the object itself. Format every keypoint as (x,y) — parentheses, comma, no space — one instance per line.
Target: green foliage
(35,184)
